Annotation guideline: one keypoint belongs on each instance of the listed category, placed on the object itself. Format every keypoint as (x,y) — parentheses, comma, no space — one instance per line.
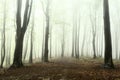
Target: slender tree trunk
(116,45)
(63,41)
(83,43)
(94,56)
(51,42)
(3,37)
(76,40)
(9,52)
(108,63)
(73,43)
(31,47)
(26,48)
(93,22)
(46,42)
(31,50)
(31,43)
(47,33)
(78,36)
(42,58)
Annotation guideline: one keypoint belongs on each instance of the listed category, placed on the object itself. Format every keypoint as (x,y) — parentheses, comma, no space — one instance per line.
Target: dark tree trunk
(31,53)
(94,56)
(76,39)
(63,41)
(51,42)
(73,44)
(43,41)
(18,52)
(73,39)
(31,47)
(78,36)
(46,42)
(108,63)
(20,32)
(47,33)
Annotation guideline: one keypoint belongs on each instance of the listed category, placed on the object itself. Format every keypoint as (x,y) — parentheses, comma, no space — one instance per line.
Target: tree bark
(3,52)
(47,33)
(108,63)
(20,32)
(18,52)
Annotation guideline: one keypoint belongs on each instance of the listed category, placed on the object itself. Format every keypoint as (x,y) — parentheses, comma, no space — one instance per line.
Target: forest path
(64,69)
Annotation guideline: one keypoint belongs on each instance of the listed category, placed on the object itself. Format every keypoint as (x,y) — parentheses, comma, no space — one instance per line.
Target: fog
(63,15)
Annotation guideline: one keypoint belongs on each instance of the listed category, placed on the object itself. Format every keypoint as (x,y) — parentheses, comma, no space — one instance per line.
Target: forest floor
(64,69)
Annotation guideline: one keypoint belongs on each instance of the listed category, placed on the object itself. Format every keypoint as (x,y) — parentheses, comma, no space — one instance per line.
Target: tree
(63,41)
(43,46)
(20,31)
(93,22)
(83,43)
(75,35)
(77,31)
(108,63)
(26,48)
(31,42)
(51,42)
(47,16)
(73,41)
(3,37)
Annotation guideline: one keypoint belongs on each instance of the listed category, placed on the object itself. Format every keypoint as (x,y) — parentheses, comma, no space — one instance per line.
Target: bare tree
(108,62)
(93,22)
(32,39)
(26,48)
(83,43)
(43,46)
(51,42)
(46,11)
(78,36)
(20,32)
(73,41)
(63,41)
(3,37)
(75,35)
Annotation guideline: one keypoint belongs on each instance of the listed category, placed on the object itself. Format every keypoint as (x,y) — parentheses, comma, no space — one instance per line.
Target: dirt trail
(63,69)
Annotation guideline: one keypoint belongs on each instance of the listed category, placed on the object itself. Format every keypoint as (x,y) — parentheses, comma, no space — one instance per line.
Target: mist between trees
(40,30)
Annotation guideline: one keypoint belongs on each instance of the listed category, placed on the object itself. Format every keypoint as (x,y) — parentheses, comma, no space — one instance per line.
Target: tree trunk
(47,32)
(3,37)
(63,41)
(31,43)
(31,47)
(26,48)
(108,63)
(46,41)
(43,41)
(73,43)
(94,56)
(18,52)
(20,32)
(83,43)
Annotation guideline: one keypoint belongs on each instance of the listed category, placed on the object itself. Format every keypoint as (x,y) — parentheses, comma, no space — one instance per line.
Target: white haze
(62,11)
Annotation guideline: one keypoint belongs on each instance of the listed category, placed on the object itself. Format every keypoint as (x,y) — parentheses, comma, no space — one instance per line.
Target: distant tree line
(22,26)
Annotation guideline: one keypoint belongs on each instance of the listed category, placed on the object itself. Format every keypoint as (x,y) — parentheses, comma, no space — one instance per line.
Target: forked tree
(20,31)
